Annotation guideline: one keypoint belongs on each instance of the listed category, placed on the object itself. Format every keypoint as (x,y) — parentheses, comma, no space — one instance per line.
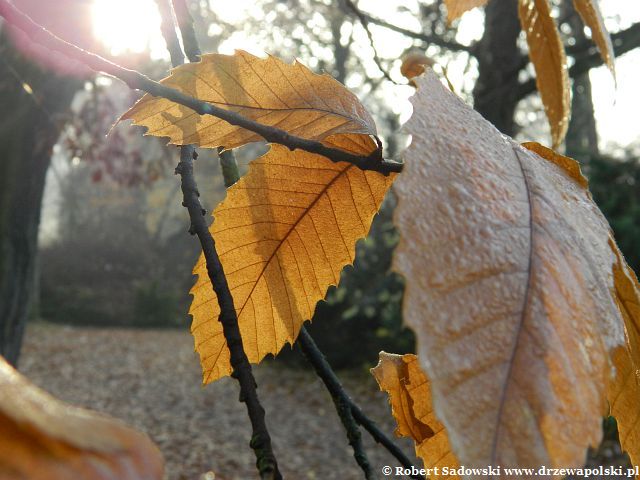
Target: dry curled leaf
(42,438)
(549,60)
(267,90)
(455,8)
(410,398)
(284,233)
(592,18)
(414,64)
(509,281)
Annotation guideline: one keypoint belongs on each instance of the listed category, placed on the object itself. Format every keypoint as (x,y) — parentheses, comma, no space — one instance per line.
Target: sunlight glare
(128,26)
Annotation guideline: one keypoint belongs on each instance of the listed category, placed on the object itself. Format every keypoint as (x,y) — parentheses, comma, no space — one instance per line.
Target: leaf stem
(260,438)
(137,81)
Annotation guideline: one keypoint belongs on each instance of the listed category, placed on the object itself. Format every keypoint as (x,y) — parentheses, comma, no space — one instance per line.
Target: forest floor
(151,379)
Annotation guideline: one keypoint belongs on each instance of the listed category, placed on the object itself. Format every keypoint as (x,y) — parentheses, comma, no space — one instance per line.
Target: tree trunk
(29,127)
(582,137)
(499,61)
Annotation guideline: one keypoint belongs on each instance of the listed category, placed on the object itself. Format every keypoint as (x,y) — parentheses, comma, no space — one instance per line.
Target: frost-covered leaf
(509,289)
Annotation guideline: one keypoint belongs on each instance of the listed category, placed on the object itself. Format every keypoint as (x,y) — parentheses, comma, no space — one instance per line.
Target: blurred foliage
(122,255)
(614,185)
(155,305)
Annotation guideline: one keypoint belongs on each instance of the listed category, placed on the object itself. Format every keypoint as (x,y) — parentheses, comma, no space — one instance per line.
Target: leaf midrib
(524,315)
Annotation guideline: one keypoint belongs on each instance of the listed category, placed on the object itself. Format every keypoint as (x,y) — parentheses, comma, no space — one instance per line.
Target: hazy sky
(616,109)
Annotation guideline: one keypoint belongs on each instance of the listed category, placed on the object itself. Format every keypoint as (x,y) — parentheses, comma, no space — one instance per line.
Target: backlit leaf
(284,233)
(509,289)
(455,8)
(266,90)
(42,438)
(547,55)
(592,18)
(408,388)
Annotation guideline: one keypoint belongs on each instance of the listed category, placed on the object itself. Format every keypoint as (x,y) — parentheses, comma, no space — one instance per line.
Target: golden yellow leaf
(592,18)
(284,233)
(547,55)
(42,438)
(410,398)
(267,90)
(455,8)
(624,391)
(509,289)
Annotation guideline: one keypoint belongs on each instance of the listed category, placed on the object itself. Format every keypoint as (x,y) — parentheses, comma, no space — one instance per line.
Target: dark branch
(341,402)
(168,30)
(138,81)
(260,439)
(429,39)
(185,24)
(340,397)
(587,56)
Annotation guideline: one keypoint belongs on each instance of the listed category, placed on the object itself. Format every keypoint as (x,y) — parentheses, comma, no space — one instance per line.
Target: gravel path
(151,380)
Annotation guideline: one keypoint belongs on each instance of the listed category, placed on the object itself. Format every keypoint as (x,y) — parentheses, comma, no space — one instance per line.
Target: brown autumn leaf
(267,90)
(284,233)
(414,64)
(410,398)
(455,8)
(592,18)
(42,438)
(624,391)
(549,60)
(509,281)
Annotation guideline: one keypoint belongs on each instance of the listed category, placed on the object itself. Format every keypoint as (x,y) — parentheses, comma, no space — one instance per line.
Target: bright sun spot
(128,26)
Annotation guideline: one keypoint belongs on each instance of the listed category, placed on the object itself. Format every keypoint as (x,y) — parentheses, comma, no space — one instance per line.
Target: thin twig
(428,39)
(342,402)
(188,33)
(260,439)
(138,81)
(340,396)
(168,29)
(365,24)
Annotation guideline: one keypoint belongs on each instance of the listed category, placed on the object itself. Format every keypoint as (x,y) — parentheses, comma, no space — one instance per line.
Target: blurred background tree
(113,244)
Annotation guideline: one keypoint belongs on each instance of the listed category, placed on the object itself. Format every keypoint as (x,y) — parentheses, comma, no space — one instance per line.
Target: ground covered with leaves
(151,379)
